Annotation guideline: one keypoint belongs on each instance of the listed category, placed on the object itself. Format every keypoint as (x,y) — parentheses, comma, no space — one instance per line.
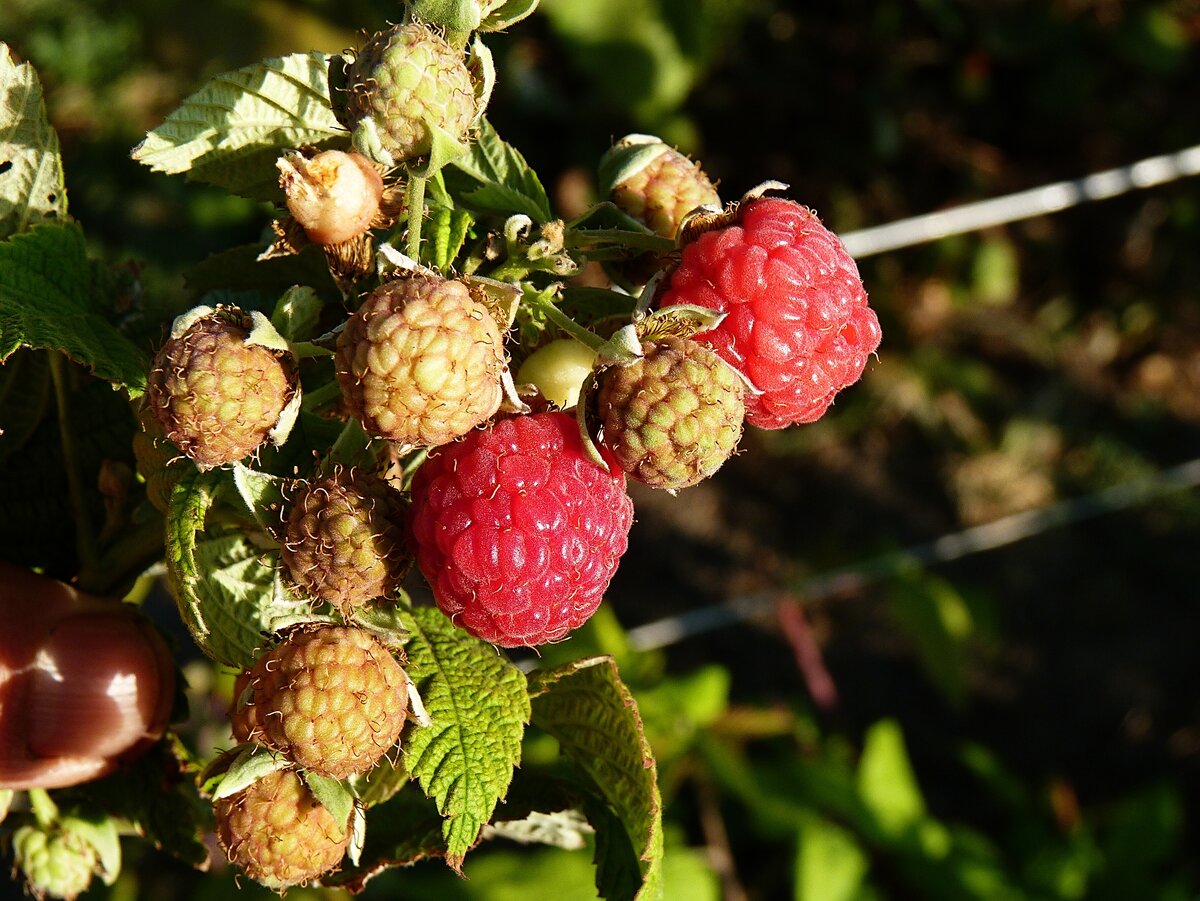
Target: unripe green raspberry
(55,863)
(216,393)
(673,416)
(343,541)
(421,362)
(406,80)
(655,184)
(279,833)
(330,698)
(559,370)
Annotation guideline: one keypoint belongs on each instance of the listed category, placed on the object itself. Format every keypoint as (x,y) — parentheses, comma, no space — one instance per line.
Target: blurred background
(1019,722)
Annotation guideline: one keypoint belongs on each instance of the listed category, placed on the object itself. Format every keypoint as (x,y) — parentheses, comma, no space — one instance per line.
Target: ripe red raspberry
(518,532)
(798,325)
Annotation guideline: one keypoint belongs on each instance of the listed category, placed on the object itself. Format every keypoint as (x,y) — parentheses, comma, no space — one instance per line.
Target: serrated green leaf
(31,175)
(443,235)
(251,764)
(504,182)
(225,587)
(46,302)
(231,131)
(333,795)
(596,721)
(24,398)
(479,707)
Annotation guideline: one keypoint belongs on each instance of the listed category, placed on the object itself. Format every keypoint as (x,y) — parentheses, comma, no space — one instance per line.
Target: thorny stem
(414,198)
(85,541)
(565,322)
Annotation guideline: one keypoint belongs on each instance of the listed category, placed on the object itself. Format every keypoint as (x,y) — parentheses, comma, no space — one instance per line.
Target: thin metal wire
(1051,198)
(954,546)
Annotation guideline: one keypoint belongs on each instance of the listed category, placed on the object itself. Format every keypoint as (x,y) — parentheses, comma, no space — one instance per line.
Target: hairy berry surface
(279,833)
(331,698)
(517,531)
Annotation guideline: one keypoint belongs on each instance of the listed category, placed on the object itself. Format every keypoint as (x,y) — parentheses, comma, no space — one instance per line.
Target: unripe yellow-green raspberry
(407,79)
(559,370)
(56,864)
(343,542)
(655,183)
(421,362)
(216,393)
(330,698)
(673,416)
(278,833)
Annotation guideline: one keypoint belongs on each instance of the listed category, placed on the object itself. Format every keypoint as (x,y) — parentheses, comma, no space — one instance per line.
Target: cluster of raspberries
(517,514)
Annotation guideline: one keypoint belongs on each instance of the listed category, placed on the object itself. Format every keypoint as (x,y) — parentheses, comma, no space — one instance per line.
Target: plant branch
(564,322)
(414,197)
(85,539)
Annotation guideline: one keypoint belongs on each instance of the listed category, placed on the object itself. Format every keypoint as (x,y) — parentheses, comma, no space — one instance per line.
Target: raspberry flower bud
(334,196)
(222,384)
(421,361)
(85,684)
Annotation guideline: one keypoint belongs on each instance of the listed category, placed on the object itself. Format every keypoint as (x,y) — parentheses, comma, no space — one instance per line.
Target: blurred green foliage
(1018,726)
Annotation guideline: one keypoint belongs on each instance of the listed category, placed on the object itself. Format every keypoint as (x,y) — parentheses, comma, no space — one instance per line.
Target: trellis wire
(954,546)
(1051,198)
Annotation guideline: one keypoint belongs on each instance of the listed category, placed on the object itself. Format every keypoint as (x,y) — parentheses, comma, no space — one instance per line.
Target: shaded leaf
(333,795)
(886,781)
(46,302)
(400,832)
(31,175)
(830,864)
(503,182)
(231,131)
(24,398)
(595,719)
(479,708)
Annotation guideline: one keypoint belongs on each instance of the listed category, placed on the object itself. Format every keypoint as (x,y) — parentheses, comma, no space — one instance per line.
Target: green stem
(303,349)
(45,811)
(565,322)
(85,540)
(319,397)
(414,196)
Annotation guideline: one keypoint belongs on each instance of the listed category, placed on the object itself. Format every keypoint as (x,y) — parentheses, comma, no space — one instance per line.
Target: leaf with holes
(31,175)
(231,131)
(477,701)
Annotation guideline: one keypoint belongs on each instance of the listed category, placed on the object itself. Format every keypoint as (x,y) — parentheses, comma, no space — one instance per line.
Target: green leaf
(231,131)
(479,708)
(253,763)
(938,620)
(504,182)
(380,782)
(31,175)
(333,795)
(886,782)
(401,831)
(101,833)
(595,719)
(240,269)
(226,588)
(443,235)
(508,14)
(262,494)
(46,302)
(830,864)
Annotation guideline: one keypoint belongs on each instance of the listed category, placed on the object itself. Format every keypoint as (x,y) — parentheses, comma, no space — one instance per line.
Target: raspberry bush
(297,450)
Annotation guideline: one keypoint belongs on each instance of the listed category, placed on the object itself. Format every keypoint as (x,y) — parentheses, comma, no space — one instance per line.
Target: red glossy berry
(798,325)
(518,531)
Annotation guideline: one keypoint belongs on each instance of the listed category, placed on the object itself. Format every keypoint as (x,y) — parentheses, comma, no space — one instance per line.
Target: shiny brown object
(86,684)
